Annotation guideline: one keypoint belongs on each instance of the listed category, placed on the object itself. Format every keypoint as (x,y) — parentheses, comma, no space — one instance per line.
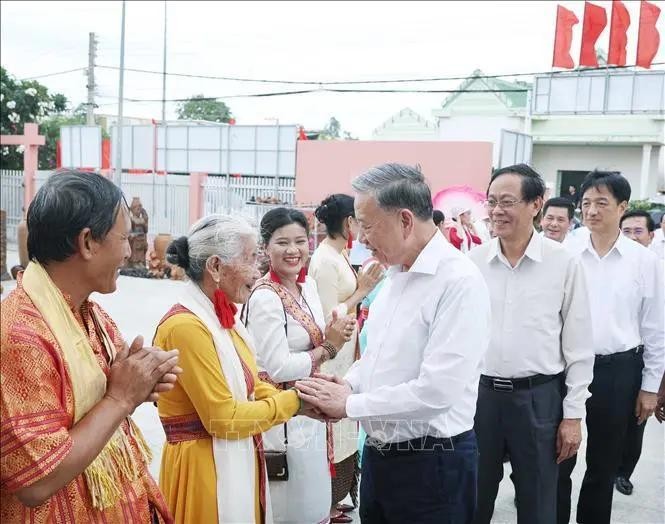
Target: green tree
(200,108)
(21,102)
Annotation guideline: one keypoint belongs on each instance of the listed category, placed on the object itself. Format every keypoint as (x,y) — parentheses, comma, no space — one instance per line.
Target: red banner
(619,25)
(563,37)
(648,37)
(595,20)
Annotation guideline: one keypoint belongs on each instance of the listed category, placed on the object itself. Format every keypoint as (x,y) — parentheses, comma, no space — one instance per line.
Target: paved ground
(138,305)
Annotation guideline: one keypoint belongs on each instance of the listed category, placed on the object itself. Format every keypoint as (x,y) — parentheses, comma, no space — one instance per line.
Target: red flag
(595,20)
(648,38)
(563,37)
(301,134)
(618,29)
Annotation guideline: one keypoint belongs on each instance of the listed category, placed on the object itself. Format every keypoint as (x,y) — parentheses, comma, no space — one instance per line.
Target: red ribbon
(225,310)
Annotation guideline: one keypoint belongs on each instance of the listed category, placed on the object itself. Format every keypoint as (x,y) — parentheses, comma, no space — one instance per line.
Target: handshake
(323,397)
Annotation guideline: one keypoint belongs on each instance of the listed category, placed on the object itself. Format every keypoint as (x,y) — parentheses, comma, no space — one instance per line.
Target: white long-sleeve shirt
(627,303)
(541,323)
(427,332)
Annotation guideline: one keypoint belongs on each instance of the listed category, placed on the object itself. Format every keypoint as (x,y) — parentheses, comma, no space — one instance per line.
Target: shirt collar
(427,261)
(534,249)
(621,245)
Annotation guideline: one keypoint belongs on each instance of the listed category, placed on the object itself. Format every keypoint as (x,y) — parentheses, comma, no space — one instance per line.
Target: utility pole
(121,89)
(92,54)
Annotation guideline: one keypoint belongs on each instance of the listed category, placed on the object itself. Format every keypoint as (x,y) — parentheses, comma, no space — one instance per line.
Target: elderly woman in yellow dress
(341,290)
(213,468)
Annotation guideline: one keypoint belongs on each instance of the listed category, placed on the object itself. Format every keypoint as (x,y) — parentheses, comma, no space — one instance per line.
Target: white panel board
(213,149)
(204,137)
(243,138)
(515,148)
(81,146)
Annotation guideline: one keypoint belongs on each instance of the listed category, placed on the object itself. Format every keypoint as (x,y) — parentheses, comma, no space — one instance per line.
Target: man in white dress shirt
(638,226)
(658,242)
(415,388)
(538,366)
(557,216)
(626,296)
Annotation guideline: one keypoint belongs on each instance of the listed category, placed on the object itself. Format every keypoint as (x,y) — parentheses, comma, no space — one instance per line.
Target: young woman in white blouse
(285,317)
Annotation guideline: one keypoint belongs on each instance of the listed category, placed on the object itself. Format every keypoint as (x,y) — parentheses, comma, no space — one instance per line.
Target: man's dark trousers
(632,449)
(609,411)
(523,422)
(429,481)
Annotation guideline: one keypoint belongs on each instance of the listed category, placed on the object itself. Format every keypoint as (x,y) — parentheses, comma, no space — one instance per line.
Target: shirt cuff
(571,411)
(355,405)
(649,382)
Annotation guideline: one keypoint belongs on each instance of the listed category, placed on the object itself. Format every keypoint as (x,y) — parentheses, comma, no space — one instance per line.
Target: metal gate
(11,200)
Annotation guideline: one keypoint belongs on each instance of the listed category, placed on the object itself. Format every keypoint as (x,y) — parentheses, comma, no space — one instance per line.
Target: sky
(296,41)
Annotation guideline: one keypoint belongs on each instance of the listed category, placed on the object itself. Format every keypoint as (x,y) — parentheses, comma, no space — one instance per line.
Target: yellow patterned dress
(202,404)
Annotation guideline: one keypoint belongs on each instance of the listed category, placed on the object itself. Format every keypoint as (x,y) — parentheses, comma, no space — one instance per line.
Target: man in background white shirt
(415,388)
(539,362)
(658,242)
(638,226)
(626,296)
(557,216)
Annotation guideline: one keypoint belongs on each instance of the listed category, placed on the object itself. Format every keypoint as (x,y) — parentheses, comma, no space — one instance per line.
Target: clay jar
(162,241)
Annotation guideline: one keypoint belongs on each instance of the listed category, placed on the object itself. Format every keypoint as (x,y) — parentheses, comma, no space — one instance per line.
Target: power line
(322,90)
(399,80)
(55,74)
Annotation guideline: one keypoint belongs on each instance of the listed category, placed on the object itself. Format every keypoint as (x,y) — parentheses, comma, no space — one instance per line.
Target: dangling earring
(349,240)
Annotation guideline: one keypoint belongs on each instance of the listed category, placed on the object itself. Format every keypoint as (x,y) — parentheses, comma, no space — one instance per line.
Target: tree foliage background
(28,101)
(200,108)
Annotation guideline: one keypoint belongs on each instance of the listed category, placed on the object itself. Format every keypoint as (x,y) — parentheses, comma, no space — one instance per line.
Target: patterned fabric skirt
(345,482)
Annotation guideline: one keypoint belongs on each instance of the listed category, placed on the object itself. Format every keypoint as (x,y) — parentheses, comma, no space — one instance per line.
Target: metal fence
(228,194)
(166,199)
(11,200)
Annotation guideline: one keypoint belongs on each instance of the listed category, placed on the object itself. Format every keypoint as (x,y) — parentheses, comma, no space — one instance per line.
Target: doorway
(573,178)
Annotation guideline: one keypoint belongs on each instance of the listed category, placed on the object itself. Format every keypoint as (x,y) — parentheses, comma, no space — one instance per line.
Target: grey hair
(224,236)
(397,186)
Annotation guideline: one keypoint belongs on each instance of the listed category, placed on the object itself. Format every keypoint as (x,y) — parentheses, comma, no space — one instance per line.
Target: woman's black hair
(280,217)
(333,211)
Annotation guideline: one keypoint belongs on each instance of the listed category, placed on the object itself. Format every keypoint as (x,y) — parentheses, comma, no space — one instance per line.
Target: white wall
(548,160)
(482,128)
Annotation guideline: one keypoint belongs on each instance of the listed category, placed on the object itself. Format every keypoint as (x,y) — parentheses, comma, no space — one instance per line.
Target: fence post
(196,196)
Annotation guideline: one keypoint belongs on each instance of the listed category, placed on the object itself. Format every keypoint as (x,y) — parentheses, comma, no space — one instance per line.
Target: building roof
(511,100)
(407,116)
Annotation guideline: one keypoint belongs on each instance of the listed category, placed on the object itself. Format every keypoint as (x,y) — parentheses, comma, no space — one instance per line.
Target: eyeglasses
(503,204)
(637,231)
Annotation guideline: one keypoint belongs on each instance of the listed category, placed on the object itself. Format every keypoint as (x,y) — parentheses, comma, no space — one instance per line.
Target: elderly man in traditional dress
(70,451)
(415,388)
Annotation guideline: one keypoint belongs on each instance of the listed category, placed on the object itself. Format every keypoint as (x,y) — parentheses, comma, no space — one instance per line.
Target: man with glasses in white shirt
(638,226)
(626,296)
(415,388)
(539,362)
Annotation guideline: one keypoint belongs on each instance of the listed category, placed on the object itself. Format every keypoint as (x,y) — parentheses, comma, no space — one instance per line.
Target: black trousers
(610,411)
(430,484)
(523,423)
(632,449)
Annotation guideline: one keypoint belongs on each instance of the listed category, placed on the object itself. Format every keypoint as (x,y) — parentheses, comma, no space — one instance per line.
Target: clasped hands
(324,397)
